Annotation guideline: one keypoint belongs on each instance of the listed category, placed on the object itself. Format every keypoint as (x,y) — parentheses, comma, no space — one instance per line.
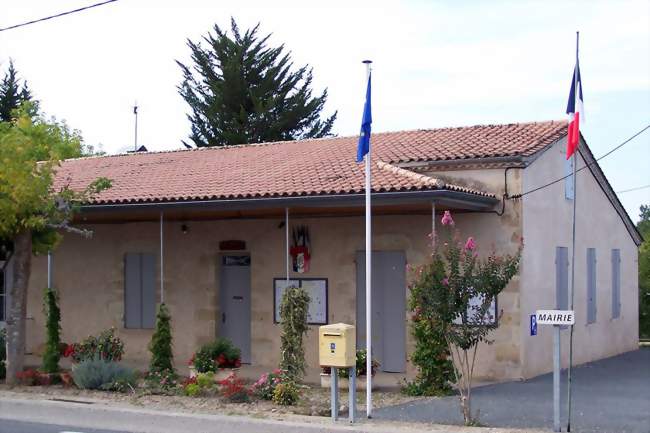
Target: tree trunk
(22,259)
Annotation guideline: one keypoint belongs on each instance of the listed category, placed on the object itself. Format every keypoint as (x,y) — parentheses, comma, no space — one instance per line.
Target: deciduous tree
(32,213)
(241,91)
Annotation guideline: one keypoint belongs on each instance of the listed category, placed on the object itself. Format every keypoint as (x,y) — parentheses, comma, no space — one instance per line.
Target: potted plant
(219,358)
(343,374)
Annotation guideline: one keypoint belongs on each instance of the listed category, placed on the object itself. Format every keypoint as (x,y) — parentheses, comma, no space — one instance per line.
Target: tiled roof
(299,168)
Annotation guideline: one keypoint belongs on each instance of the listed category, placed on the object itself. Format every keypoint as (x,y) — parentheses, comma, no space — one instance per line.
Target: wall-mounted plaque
(317,290)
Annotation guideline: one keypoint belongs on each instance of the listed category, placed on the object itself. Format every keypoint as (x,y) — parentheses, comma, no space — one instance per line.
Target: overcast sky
(436,64)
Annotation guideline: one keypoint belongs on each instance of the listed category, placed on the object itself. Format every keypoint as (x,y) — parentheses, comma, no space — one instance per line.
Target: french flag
(575,110)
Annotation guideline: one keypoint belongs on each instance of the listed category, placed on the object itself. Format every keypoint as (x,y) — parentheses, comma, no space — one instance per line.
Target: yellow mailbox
(337,345)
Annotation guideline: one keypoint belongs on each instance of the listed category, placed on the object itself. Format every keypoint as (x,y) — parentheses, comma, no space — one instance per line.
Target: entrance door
(235,302)
(388,308)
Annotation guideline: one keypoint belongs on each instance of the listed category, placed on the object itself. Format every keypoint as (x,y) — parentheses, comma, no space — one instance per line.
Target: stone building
(211,232)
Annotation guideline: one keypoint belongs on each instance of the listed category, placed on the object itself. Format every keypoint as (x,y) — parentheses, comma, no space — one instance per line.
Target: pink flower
(446,219)
(470,244)
(445,281)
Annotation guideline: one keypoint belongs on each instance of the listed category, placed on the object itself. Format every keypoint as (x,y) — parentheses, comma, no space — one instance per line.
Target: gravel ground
(314,401)
(611,395)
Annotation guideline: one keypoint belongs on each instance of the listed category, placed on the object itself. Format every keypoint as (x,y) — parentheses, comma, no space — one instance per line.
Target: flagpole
(368,274)
(573,236)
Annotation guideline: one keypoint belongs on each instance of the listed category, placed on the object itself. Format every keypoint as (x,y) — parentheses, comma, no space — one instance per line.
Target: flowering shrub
(286,394)
(161,382)
(220,353)
(266,384)
(233,389)
(28,377)
(107,346)
(450,299)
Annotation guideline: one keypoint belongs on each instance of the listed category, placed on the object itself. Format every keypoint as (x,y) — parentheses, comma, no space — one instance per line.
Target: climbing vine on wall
(293,319)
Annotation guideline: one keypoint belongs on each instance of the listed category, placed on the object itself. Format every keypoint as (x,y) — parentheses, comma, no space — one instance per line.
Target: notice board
(317,290)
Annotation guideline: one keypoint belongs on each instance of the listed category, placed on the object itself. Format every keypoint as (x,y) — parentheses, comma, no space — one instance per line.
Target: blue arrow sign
(533,324)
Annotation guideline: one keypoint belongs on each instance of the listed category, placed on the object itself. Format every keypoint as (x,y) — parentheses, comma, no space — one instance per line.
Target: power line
(584,166)
(15,26)
(633,189)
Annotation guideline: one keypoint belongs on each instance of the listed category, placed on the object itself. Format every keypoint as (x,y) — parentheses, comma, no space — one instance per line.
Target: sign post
(556,378)
(557,318)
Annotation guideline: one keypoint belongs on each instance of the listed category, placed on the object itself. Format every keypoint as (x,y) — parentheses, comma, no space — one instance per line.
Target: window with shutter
(616,283)
(562,278)
(591,285)
(139,290)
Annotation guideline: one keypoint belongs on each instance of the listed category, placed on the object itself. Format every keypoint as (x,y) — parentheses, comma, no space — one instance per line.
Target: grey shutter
(132,291)
(591,285)
(568,181)
(148,275)
(561,278)
(616,283)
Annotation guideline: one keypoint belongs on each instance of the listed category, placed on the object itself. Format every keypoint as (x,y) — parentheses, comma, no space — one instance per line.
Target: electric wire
(15,26)
(633,189)
(517,196)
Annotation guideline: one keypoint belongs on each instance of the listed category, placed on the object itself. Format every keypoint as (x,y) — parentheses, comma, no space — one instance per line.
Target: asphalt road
(12,426)
(609,396)
(20,415)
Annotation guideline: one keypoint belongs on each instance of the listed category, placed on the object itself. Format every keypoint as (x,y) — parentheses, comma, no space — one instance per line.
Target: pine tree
(161,343)
(52,353)
(242,91)
(11,94)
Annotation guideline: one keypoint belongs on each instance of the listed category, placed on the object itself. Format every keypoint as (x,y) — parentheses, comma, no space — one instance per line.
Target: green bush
(161,342)
(431,356)
(99,374)
(205,380)
(52,353)
(293,316)
(220,353)
(192,389)
(286,394)
(3,353)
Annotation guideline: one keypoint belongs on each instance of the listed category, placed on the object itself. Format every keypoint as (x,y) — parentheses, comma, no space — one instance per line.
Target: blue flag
(364,137)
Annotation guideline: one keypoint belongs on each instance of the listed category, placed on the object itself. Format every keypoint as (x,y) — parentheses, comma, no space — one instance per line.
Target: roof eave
(455,199)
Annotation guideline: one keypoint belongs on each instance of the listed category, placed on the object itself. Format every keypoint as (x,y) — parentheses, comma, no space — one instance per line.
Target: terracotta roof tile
(298,168)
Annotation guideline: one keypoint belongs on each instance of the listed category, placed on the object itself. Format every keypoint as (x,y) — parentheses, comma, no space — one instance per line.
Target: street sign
(533,324)
(555,317)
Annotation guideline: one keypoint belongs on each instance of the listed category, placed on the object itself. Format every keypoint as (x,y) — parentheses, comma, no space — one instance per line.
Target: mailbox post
(337,349)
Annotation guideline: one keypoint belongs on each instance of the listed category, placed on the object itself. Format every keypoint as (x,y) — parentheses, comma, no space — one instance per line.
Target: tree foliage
(644,273)
(293,316)
(453,294)
(13,95)
(52,353)
(162,358)
(30,151)
(431,355)
(242,91)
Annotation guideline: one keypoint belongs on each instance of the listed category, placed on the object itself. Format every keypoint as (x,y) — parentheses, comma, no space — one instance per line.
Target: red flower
(221,360)
(237,363)
(68,351)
